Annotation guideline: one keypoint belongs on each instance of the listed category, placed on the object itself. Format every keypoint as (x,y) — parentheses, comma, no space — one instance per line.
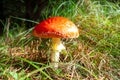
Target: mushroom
(56,28)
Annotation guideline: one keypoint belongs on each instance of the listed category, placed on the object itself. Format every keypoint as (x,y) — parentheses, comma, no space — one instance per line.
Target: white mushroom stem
(57,47)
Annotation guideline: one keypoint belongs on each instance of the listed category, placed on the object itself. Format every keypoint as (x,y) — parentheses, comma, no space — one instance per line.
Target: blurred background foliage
(41,9)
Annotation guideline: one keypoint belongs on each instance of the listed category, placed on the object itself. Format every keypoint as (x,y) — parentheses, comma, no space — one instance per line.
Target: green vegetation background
(95,55)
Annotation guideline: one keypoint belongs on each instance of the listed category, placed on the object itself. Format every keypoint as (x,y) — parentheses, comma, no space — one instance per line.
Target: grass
(95,55)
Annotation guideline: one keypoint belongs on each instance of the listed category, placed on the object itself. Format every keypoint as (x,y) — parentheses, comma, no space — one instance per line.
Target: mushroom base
(57,47)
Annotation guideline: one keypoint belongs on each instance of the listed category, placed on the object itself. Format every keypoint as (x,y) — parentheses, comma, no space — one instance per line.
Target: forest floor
(94,55)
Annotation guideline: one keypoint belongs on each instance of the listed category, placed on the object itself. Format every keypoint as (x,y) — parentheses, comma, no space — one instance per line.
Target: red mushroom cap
(56,27)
